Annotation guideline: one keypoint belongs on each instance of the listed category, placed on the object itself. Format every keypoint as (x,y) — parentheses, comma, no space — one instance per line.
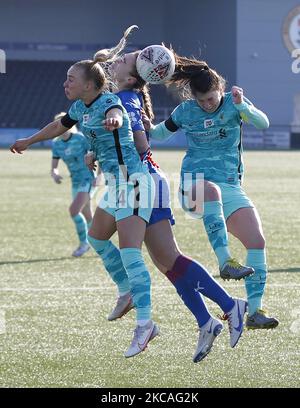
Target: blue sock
(81,228)
(215,226)
(191,280)
(255,284)
(139,279)
(112,261)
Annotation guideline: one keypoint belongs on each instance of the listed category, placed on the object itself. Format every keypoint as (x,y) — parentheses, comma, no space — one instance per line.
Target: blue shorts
(162,203)
(86,186)
(135,197)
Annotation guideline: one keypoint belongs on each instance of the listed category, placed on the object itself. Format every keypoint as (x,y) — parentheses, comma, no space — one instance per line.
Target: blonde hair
(93,71)
(110,54)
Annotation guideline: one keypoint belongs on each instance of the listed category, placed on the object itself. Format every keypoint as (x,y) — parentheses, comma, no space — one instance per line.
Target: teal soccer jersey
(214,140)
(115,150)
(72,152)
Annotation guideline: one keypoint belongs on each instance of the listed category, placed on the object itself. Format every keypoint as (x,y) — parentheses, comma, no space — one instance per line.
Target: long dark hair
(192,76)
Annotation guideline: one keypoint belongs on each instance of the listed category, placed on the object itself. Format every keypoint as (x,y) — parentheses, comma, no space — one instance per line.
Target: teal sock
(255,284)
(112,261)
(140,282)
(81,228)
(89,223)
(215,226)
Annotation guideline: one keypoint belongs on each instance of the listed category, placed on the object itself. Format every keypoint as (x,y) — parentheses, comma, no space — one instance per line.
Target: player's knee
(73,211)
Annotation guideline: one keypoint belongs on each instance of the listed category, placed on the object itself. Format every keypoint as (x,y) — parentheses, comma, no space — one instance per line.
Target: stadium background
(242,39)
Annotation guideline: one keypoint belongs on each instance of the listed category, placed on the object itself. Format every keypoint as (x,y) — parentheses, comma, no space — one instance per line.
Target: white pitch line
(95,289)
(2,322)
(53,289)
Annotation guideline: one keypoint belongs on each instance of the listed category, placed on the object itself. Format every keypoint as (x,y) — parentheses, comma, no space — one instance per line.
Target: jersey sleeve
(111,101)
(175,120)
(250,114)
(71,118)
(133,108)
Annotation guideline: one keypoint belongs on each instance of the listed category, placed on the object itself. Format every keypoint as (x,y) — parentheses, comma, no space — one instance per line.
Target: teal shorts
(233,198)
(136,197)
(86,186)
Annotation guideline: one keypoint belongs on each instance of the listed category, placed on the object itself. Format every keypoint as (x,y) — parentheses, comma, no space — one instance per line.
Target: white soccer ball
(155,64)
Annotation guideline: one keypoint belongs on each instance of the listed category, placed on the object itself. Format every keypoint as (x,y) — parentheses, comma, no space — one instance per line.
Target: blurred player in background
(71,147)
(211,120)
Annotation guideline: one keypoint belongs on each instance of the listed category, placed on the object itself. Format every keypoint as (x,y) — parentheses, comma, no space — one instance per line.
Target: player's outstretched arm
(50,131)
(248,112)
(160,131)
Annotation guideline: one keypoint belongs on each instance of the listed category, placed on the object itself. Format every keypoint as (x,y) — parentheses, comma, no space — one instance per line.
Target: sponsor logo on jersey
(208,123)
(85,118)
(222,133)
(133,118)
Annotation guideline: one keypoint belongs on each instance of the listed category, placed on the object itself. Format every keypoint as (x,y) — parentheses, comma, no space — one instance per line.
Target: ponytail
(192,76)
(110,54)
(147,103)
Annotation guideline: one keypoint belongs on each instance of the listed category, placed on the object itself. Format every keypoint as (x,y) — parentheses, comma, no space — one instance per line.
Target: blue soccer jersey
(133,105)
(72,152)
(115,151)
(214,139)
(132,102)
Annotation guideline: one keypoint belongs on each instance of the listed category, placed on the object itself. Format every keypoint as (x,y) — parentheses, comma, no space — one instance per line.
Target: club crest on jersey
(85,118)
(208,123)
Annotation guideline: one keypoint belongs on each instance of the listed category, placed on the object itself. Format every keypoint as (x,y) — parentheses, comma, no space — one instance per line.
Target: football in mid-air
(155,64)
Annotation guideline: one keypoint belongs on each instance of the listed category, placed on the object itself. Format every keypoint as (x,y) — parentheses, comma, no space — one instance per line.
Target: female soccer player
(71,147)
(105,123)
(189,278)
(211,120)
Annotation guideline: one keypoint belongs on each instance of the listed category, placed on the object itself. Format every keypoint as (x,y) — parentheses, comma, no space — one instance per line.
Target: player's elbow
(262,123)
(265,124)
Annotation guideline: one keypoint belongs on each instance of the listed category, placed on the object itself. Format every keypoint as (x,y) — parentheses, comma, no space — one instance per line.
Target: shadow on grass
(45,260)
